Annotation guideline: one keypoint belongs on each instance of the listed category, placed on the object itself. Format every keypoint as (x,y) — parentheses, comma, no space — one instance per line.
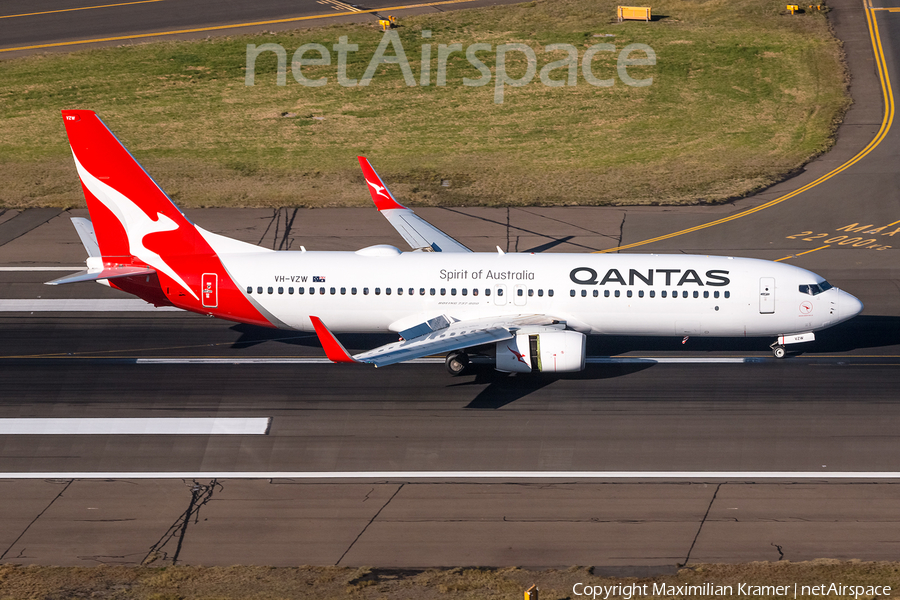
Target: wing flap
(434,343)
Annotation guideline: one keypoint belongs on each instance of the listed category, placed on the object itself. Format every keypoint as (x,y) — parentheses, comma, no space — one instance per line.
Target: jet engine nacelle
(548,351)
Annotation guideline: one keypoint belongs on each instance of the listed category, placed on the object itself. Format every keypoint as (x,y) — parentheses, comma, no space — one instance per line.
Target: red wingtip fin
(382,196)
(334,350)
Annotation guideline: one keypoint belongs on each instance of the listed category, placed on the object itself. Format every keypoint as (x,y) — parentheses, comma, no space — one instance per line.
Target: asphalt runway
(727,455)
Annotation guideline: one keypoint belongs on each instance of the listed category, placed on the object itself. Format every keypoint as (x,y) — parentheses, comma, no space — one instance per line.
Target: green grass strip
(741,95)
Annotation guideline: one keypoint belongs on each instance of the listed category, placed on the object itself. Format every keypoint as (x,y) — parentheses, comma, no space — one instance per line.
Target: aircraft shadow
(859,333)
(252,335)
(505,388)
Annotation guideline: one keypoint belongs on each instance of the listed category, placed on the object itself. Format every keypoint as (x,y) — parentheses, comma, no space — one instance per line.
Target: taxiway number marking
(847,239)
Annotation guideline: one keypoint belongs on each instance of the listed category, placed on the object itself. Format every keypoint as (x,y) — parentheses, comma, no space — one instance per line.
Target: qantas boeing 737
(532,311)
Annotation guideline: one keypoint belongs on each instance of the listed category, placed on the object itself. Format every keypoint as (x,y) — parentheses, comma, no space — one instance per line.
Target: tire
(457,363)
(779,351)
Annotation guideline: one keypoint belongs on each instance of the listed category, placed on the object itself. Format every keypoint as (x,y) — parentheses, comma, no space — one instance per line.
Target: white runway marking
(80,305)
(305,360)
(463,475)
(124,426)
(41,269)
(312,360)
(603,360)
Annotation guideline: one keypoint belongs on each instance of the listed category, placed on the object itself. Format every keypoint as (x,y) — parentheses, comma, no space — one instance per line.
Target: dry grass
(742,95)
(321,583)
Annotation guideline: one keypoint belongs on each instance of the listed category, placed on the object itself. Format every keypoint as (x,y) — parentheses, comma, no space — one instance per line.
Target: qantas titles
(588,276)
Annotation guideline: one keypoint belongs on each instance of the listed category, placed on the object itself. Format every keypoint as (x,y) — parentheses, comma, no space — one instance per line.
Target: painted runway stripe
(315,360)
(465,475)
(80,305)
(27,269)
(126,426)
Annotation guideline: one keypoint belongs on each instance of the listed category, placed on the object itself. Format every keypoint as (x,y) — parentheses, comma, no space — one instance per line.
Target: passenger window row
(388,291)
(652,294)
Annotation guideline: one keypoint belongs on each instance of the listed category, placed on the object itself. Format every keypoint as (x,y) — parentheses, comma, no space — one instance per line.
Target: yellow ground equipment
(635,13)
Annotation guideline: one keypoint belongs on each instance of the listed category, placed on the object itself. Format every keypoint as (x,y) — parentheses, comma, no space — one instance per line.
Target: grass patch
(320,583)
(741,95)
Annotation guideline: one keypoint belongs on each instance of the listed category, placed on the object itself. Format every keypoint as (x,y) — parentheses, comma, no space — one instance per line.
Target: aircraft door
(766,295)
(500,295)
(520,295)
(210,290)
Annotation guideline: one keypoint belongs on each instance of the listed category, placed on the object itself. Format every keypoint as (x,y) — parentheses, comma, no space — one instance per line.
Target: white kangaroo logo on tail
(379,189)
(135,221)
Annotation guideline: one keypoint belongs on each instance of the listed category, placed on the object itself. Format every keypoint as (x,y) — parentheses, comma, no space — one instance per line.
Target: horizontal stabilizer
(95,274)
(85,230)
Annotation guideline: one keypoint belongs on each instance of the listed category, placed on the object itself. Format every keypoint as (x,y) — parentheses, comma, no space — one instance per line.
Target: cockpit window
(814,289)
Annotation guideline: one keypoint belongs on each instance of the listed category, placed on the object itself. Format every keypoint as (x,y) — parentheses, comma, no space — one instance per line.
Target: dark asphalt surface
(24,25)
(833,408)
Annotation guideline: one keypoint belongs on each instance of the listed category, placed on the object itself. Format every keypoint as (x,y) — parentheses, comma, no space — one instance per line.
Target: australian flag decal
(318,279)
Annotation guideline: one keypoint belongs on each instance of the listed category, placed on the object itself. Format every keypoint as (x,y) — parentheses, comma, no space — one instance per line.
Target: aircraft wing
(418,233)
(458,335)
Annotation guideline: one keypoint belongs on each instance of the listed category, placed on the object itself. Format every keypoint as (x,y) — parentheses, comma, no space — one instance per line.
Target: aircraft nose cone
(850,306)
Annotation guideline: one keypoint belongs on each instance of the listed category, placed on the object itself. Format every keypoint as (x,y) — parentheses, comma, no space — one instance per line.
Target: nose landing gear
(783,340)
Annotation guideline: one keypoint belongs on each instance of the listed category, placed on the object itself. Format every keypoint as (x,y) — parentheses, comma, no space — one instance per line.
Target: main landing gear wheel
(779,351)
(457,362)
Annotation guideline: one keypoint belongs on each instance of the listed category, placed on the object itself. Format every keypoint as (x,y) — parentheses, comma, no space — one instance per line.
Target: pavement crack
(114,559)
(33,521)
(699,529)
(272,221)
(577,226)
(200,495)
(285,242)
(622,227)
(372,520)
(509,227)
(780,553)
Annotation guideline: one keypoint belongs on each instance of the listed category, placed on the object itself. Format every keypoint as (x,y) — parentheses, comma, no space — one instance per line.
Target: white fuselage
(381,289)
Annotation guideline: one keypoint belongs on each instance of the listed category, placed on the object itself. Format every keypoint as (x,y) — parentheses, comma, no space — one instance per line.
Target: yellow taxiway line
(882,133)
(802,253)
(62,10)
(232,26)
